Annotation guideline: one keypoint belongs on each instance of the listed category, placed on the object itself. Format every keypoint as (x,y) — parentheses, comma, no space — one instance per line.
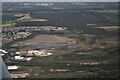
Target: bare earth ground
(109,27)
(45,41)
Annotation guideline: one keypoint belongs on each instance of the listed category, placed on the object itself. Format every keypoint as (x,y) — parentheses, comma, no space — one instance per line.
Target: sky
(59,0)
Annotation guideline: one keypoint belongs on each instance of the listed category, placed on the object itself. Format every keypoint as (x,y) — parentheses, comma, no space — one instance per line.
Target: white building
(12,67)
(2,54)
(17,53)
(4,51)
(19,58)
(39,53)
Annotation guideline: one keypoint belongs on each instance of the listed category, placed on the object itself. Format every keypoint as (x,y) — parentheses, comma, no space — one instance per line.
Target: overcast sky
(59,0)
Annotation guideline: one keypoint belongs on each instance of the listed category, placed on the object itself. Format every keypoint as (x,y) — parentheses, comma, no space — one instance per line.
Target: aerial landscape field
(60,39)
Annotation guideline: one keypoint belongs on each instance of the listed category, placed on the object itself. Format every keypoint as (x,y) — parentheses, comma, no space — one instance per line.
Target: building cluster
(21,56)
(13,33)
(38,53)
(20,75)
(36,4)
(3,52)
(26,55)
(27,5)
(11,36)
(38,28)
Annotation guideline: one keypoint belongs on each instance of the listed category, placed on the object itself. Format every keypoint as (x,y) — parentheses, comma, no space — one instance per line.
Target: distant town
(14,33)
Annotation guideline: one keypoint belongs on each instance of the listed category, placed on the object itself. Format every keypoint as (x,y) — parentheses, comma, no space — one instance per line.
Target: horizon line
(58,1)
